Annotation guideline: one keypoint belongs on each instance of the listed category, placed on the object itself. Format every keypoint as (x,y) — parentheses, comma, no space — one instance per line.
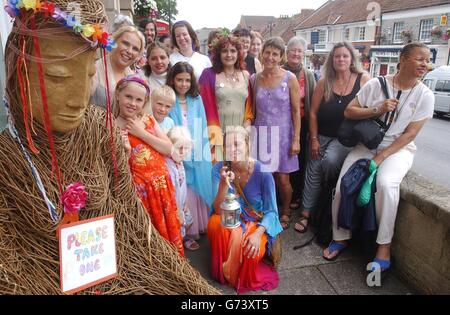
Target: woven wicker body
(147,264)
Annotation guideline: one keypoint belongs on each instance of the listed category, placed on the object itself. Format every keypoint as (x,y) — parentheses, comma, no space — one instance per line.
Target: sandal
(335,247)
(301,227)
(285,223)
(191,244)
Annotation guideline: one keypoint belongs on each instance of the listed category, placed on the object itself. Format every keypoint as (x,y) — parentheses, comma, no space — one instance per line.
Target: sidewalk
(305,272)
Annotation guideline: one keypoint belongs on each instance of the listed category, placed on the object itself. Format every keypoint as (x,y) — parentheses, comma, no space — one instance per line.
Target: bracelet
(313,138)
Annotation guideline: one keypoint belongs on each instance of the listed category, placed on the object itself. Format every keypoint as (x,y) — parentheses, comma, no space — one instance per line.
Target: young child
(148,147)
(189,112)
(163,99)
(182,142)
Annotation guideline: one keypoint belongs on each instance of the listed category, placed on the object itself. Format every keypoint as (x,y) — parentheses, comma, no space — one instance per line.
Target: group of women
(292,149)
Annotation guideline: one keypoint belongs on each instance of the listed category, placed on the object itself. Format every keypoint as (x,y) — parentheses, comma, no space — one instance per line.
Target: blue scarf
(198,165)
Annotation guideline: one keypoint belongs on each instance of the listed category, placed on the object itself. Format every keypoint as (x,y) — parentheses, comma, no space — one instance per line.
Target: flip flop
(335,247)
(299,222)
(383,265)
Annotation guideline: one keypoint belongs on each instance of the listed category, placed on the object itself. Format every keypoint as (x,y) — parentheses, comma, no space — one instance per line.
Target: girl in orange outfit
(147,146)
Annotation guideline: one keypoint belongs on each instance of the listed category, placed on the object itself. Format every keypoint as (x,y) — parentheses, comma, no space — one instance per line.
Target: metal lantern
(230,211)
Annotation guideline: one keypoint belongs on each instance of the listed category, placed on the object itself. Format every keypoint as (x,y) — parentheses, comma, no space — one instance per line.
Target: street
(432,159)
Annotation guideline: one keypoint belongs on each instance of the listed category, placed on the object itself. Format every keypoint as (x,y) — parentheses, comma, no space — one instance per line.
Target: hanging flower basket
(446,35)
(145,8)
(407,35)
(436,32)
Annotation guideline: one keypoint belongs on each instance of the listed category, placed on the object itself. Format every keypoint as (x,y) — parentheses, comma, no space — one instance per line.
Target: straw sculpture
(29,257)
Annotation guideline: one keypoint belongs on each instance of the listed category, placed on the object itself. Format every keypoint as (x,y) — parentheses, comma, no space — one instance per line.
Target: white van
(438,81)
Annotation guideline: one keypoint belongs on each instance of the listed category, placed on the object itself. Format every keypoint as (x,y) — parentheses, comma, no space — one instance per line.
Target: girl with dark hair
(395,154)
(158,64)
(225,91)
(190,113)
(185,40)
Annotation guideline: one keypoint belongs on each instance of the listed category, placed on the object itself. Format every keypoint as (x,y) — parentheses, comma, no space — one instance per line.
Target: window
(322,36)
(398,28)
(428,83)
(347,34)
(425,30)
(362,33)
(359,34)
(392,69)
(442,86)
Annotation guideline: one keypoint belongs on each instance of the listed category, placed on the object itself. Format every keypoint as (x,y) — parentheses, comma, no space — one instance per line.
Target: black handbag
(369,132)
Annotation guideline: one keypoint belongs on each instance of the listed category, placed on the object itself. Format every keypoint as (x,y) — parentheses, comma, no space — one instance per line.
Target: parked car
(438,81)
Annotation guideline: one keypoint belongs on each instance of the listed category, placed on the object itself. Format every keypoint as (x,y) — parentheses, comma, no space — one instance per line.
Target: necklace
(343,92)
(245,174)
(394,116)
(232,78)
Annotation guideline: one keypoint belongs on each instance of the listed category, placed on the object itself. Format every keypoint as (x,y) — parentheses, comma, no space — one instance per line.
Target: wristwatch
(375,110)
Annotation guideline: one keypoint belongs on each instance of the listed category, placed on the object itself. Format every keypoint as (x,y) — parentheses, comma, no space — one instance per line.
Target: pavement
(305,272)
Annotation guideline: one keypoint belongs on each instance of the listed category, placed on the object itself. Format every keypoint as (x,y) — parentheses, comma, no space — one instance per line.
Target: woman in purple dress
(277,121)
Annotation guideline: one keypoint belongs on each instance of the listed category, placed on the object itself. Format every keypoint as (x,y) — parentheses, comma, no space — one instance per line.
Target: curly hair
(219,45)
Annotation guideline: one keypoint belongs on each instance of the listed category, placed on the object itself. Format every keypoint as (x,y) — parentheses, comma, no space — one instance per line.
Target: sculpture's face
(67,83)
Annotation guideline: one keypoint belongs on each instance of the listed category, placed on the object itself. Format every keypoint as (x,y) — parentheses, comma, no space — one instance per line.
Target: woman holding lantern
(237,252)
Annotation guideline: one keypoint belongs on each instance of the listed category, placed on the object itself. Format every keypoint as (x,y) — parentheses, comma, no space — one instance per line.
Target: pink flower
(74,198)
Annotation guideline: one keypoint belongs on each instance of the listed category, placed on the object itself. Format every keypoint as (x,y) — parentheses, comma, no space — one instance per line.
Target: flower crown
(94,34)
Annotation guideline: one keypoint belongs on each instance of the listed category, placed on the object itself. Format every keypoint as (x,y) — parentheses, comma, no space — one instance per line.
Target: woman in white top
(130,46)
(158,64)
(394,156)
(187,44)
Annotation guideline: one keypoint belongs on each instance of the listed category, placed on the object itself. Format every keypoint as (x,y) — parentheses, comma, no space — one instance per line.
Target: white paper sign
(87,253)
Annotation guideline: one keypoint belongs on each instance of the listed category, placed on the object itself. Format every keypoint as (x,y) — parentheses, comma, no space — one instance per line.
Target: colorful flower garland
(94,34)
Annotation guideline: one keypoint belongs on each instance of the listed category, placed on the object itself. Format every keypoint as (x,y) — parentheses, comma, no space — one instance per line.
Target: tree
(167,10)
(163,9)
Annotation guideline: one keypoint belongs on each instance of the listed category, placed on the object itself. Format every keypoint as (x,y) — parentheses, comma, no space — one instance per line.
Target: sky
(227,13)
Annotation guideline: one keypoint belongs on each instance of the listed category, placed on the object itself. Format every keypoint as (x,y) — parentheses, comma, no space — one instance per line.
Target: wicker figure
(82,145)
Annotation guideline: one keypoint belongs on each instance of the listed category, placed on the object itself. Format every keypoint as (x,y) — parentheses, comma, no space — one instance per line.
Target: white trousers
(389,176)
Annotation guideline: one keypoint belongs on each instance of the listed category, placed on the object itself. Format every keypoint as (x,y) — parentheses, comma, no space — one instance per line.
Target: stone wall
(421,245)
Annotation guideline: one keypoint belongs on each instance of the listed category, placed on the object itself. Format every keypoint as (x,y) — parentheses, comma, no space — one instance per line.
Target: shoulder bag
(369,132)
